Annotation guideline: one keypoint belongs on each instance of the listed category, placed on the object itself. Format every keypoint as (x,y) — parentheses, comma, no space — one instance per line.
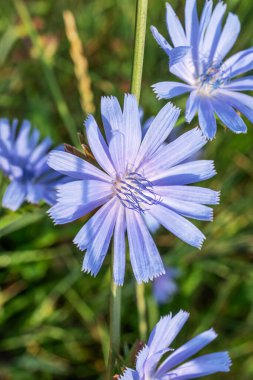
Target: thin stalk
(115,312)
(139,45)
(141,306)
(140,33)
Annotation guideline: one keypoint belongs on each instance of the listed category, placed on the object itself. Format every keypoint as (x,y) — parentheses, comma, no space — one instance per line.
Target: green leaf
(15,221)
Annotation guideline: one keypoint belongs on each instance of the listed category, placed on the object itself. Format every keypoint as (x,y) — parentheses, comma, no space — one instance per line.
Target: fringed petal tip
(139,353)
(210,138)
(224,361)
(181,312)
(198,133)
(59,190)
(162,273)
(209,135)
(148,278)
(213,172)
(174,108)
(170,107)
(108,98)
(167,90)
(55,213)
(87,120)
(130,96)
(155,90)
(200,243)
(79,246)
(184,313)
(217,197)
(50,214)
(89,271)
(228,361)
(210,216)
(85,269)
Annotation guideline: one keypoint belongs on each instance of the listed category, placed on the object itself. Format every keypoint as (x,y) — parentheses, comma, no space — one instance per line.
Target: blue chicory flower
(137,176)
(165,287)
(24,162)
(150,367)
(206,75)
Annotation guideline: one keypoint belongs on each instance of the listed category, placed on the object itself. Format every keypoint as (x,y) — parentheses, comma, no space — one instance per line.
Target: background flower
(24,162)
(149,366)
(139,177)
(208,78)
(165,286)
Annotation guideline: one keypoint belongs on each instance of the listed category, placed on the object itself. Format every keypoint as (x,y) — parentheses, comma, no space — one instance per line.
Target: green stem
(140,33)
(141,306)
(115,306)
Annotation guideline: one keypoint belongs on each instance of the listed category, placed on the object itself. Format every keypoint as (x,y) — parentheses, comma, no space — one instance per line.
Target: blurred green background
(54,318)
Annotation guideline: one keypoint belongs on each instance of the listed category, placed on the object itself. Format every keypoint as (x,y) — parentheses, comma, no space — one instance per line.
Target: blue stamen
(136,192)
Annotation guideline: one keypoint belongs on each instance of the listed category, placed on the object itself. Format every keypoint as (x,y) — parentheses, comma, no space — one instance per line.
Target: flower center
(212,77)
(135,192)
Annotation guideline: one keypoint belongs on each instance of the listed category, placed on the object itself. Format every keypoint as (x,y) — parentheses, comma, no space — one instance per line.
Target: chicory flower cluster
(135,180)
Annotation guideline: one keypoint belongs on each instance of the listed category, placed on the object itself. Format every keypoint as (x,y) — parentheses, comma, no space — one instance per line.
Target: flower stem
(140,33)
(141,306)
(139,45)
(115,306)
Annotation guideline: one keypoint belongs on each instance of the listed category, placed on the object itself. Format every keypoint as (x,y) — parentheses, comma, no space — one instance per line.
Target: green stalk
(115,312)
(141,306)
(139,45)
(140,33)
